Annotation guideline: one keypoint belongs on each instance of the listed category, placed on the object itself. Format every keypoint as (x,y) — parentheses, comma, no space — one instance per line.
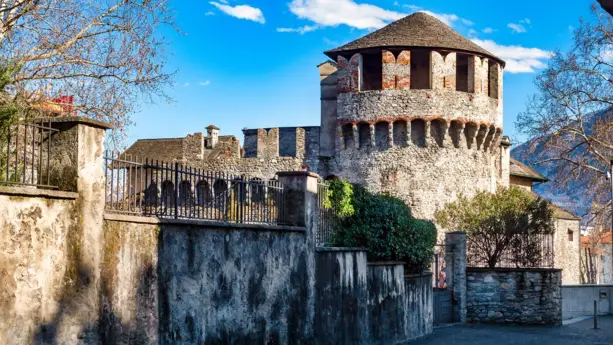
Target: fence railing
(25,154)
(326,225)
(171,190)
(521,251)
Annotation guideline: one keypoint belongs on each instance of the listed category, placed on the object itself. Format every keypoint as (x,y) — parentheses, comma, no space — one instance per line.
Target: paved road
(574,334)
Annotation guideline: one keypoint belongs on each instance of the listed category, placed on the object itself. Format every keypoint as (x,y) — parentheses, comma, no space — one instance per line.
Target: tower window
(461,72)
(372,71)
(571,235)
(421,69)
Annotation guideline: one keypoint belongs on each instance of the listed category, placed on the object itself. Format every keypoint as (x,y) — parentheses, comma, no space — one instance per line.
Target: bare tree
(108,55)
(570,119)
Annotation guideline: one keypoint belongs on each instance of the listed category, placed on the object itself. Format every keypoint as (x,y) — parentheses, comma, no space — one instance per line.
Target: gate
(442,297)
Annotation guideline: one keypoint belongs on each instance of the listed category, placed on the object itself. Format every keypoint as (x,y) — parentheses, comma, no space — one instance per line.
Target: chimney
(213,135)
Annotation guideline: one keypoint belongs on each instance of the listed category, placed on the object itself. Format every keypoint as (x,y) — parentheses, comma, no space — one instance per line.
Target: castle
(413,109)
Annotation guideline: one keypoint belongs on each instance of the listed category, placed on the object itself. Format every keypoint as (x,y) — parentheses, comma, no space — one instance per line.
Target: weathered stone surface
(528,296)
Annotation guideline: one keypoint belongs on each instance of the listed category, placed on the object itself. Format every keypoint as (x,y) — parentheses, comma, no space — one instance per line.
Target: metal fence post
(176,191)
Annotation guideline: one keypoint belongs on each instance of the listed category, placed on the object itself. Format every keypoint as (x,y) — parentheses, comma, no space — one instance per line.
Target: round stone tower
(417,113)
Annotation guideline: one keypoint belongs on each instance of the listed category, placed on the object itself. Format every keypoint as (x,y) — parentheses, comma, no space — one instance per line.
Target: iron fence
(439,267)
(326,225)
(520,251)
(172,190)
(25,154)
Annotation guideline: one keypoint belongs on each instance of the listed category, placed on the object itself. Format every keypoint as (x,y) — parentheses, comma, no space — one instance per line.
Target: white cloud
(210,13)
(241,12)
(467,22)
(519,59)
(518,28)
(339,12)
(186,84)
(472,33)
(488,30)
(301,30)
(204,83)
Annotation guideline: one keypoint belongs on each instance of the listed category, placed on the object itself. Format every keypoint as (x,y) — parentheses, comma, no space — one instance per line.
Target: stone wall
(517,296)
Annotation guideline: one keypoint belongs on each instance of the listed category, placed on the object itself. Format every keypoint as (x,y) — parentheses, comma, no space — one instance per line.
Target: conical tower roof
(416,30)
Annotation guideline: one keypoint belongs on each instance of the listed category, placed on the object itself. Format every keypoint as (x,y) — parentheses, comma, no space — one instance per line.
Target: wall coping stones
(511,269)
(340,249)
(37,192)
(386,263)
(201,223)
(588,286)
(298,173)
(417,275)
(76,120)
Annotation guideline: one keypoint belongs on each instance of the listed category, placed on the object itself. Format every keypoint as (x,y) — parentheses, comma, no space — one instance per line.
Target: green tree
(506,223)
(383,224)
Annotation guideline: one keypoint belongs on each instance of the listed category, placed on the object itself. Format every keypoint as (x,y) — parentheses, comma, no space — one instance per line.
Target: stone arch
(219,188)
(388,73)
(437,131)
(455,132)
(481,77)
(403,70)
(364,134)
(481,136)
(185,193)
(348,138)
(203,193)
(257,190)
(400,133)
(470,132)
(152,194)
(168,193)
(382,135)
(418,132)
(443,70)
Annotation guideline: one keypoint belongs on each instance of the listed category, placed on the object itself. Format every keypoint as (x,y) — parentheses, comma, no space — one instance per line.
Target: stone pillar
(505,161)
(76,164)
(390,134)
(455,270)
(301,206)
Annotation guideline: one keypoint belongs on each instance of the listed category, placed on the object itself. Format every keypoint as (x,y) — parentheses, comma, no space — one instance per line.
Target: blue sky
(252,63)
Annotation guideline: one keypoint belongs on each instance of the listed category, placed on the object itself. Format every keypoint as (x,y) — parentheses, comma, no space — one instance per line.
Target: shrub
(383,224)
(508,221)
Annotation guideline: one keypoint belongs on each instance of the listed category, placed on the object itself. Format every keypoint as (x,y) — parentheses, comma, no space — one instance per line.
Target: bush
(383,224)
(502,223)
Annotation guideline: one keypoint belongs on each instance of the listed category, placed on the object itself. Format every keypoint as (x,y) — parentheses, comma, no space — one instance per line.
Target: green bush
(383,224)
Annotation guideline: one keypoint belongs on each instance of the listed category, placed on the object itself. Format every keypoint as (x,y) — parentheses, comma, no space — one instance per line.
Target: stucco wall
(233,285)
(521,296)
(566,254)
(578,300)
(40,270)
(387,303)
(419,315)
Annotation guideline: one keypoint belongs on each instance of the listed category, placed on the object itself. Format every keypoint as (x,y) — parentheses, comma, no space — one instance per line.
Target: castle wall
(329,78)
(398,104)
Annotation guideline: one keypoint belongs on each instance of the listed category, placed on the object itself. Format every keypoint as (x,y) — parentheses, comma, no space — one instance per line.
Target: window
(571,235)
(461,72)
(372,72)
(421,70)
(493,79)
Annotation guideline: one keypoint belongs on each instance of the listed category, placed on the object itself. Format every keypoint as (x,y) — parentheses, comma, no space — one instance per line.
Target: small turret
(213,136)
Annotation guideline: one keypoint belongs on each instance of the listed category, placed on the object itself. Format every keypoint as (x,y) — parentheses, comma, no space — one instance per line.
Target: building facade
(413,110)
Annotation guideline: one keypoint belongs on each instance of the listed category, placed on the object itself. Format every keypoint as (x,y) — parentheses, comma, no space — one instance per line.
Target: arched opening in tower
(418,132)
(348,138)
(364,135)
(400,133)
(382,135)
(455,132)
(461,75)
(470,132)
(437,131)
(421,69)
(372,71)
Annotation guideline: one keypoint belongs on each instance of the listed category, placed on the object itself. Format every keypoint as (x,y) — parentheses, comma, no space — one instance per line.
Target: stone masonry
(517,296)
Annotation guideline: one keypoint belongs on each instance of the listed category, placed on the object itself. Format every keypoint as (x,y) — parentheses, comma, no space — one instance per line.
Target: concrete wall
(578,300)
(419,312)
(520,296)
(387,303)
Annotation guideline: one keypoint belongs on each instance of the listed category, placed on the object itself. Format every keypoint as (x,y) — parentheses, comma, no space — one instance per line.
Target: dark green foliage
(384,225)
